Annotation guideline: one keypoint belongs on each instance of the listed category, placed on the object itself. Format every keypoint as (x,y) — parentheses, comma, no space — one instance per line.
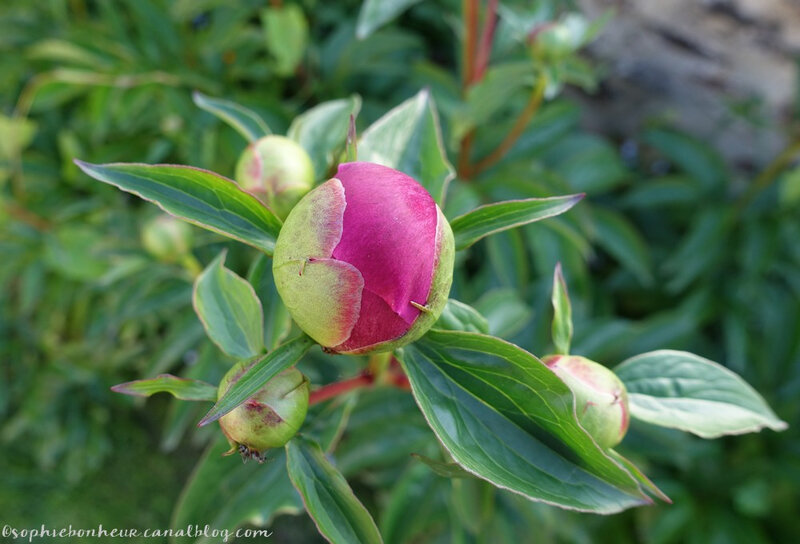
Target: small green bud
(167,239)
(601,399)
(268,419)
(277,171)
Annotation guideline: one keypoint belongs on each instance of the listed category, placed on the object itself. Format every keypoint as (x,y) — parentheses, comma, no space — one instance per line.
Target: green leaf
(620,239)
(458,316)
(201,197)
(385,428)
(416,507)
(225,493)
(277,321)
(445,470)
(330,502)
(76,252)
(505,311)
(263,370)
(588,163)
(684,391)
(230,311)
(500,216)
(322,131)
(376,13)
(245,121)
(16,134)
(504,416)
(286,32)
(180,388)
(562,313)
(495,91)
(691,155)
(409,139)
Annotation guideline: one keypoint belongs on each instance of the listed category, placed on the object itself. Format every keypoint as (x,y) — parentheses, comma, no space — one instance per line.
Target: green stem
(534,102)
(770,173)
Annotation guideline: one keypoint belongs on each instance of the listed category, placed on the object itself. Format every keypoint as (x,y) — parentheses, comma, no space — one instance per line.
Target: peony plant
(362,267)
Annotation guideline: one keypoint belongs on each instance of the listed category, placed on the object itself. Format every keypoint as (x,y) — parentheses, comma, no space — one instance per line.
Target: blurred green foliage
(672,248)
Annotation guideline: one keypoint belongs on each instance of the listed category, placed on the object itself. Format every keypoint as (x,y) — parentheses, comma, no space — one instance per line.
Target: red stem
(487,38)
(470,9)
(339,388)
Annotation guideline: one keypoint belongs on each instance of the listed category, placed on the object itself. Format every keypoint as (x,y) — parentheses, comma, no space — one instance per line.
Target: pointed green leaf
(622,241)
(684,391)
(286,34)
(458,316)
(245,121)
(330,502)
(506,417)
(409,139)
(230,311)
(322,131)
(500,216)
(201,197)
(263,370)
(180,388)
(225,494)
(277,321)
(376,13)
(562,313)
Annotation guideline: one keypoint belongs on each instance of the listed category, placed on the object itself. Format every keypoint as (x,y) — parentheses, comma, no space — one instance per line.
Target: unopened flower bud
(600,396)
(364,262)
(277,171)
(167,239)
(271,417)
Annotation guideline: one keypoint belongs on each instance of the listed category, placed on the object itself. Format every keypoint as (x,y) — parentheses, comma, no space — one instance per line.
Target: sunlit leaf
(687,392)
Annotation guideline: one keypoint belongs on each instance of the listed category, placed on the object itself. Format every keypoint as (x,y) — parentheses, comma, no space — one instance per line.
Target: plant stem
(25,216)
(470,16)
(770,173)
(534,102)
(487,38)
(392,375)
(339,388)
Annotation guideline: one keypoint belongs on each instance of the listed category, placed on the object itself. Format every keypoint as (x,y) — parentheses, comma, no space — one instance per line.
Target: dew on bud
(268,419)
(364,262)
(277,171)
(601,399)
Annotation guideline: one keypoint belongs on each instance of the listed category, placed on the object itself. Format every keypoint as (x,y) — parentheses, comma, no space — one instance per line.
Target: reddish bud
(364,262)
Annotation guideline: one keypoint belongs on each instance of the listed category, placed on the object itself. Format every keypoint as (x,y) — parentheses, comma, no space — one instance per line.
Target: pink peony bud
(364,262)
(277,171)
(601,398)
(268,419)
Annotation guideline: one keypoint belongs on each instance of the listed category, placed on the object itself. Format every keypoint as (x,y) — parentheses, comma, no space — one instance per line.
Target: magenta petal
(376,323)
(396,263)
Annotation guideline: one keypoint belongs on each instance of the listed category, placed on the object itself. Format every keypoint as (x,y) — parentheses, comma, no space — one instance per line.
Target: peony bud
(600,396)
(271,417)
(364,262)
(167,238)
(277,171)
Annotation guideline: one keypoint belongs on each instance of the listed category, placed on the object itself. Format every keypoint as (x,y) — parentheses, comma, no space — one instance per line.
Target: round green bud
(167,239)
(601,400)
(277,171)
(271,417)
